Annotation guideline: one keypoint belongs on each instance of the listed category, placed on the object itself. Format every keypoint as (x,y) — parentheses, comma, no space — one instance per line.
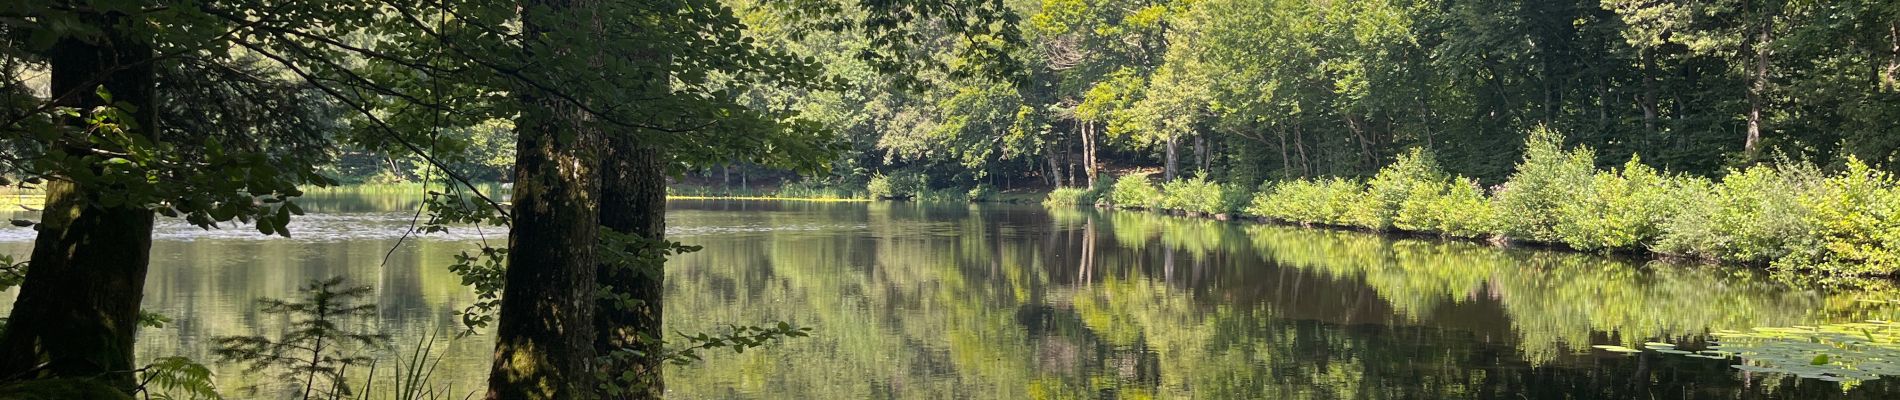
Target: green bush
(982,192)
(1414,175)
(1234,198)
(1791,215)
(1197,194)
(1855,219)
(1069,196)
(1548,176)
(1133,191)
(1325,201)
(1458,208)
(900,185)
(1691,230)
(1752,215)
(1619,210)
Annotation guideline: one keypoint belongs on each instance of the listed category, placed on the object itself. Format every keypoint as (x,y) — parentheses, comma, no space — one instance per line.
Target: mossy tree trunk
(544,334)
(77,312)
(544,337)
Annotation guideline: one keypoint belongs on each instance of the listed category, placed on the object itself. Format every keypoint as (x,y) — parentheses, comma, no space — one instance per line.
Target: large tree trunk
(78,310)
(633,202)
(544,337)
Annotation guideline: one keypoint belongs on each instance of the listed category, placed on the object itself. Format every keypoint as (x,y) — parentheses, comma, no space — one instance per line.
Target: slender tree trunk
(1174,163)
(1367,159)
(545,334)
(1649,93)
(1299,141)
(1757,89)
(1068,166)
(1055,171)
(1200,151)
(1286,161)
(1088,151)
(1604,99)
(78,310)
(633,202)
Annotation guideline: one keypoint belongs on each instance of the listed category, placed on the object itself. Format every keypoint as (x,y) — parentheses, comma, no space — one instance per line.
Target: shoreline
(1503,243)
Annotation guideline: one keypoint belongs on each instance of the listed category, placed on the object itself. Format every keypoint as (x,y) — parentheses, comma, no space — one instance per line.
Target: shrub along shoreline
(1789,216)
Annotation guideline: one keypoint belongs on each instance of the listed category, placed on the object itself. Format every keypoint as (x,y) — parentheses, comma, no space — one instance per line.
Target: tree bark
(1757,88)
(544,336)
(1055,171)
(78,309)
(1088,151)
(633,202)
(1649,94)
(1200,151)
(1174,163)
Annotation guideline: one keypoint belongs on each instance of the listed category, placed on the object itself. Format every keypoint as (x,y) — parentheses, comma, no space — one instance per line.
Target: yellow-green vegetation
(897,185)
(1069,195)
(1133,191)
(1788,215)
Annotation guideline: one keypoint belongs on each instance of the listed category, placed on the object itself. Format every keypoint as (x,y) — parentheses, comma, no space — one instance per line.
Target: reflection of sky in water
(960,301)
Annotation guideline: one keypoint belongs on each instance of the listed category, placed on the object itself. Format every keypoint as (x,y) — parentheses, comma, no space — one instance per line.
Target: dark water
(1021,302)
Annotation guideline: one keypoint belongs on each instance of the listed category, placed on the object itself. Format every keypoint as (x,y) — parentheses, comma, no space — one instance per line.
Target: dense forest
(1251,90)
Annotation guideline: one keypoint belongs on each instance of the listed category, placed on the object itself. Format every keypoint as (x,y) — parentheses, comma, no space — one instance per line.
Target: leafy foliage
(1414,175)
(1134,191)
(1197,194)
(897,185)
(317,345)
(1548,176)
(1070,196)
(172,378)
(1324,201)
(1620,209)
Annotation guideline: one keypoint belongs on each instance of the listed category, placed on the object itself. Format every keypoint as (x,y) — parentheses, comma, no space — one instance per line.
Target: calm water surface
(1019,302)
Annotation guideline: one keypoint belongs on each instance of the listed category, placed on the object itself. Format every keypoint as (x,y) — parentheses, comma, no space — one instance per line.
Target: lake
(910,300)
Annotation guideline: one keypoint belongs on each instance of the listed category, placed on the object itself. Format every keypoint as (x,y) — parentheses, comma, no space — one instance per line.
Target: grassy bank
(1789,216)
